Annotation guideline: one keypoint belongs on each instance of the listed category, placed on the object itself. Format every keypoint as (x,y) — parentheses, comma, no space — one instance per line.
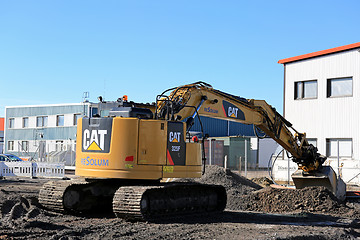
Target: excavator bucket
(325,176)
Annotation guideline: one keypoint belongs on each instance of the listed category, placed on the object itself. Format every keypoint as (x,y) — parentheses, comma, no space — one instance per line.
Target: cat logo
(233,112)
(174,137)
(94,140)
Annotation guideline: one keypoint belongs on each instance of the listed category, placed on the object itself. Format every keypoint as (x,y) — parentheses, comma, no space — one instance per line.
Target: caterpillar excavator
(121,158)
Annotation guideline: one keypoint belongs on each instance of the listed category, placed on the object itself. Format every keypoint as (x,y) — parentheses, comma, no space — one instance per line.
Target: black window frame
(328,87)
(302,97)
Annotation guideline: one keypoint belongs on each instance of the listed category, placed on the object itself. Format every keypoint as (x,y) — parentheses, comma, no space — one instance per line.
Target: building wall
(51,134)
(325,117)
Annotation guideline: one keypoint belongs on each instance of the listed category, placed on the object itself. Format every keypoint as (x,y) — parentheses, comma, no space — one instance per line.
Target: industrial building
(322,98)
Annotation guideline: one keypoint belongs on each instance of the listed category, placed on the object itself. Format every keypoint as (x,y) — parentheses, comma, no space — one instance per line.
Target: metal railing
(32,169)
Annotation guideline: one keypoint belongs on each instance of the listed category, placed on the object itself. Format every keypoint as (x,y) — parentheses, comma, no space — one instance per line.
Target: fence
(32,169)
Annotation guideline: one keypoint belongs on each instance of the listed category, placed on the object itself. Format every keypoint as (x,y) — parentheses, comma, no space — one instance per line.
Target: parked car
(10,158)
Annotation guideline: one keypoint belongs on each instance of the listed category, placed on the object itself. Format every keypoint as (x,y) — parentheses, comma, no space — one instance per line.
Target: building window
(306,89)
(344,146)
(339,87)
(11,122)
(25,122)
(59,145)
(312,141)
(60,120)
(41,121)
(76,118)
(25,146)
(10,145)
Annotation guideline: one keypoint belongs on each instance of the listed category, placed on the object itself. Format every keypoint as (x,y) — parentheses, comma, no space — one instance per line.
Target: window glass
(45,121)
(298,90)
(60,120)
(312,141)
(94,111)
(339,87)
(76,118)
(11,122)
(310,89)
(345,147)
(10,145)
(59,145)
(25,122)
(41,121)
(306,89)
(25,146)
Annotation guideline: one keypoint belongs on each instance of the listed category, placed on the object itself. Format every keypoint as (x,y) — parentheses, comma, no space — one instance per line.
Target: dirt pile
(246,195)
(235,185)
(262,181)
(16,210)
(288,200)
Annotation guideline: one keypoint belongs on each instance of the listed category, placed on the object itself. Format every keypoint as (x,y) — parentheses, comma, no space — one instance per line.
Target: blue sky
(53,51)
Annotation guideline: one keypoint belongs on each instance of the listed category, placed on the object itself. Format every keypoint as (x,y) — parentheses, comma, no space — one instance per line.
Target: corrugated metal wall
(324,117)
(220,128)
(44,110)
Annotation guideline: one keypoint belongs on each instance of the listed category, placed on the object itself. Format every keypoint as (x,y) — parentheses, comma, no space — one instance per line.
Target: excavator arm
(185,102)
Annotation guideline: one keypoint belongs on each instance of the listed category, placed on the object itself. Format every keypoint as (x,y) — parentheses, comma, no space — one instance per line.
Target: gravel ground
(252,212)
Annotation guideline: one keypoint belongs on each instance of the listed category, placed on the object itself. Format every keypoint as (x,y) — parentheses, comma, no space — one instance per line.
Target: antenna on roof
(86,96)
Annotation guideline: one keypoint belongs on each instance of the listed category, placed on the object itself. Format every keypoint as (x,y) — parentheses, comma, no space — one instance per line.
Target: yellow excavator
(121,158)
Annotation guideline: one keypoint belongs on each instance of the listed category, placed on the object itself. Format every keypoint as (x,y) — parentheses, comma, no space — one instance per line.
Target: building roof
(50,105)
(2,124)
(320,53)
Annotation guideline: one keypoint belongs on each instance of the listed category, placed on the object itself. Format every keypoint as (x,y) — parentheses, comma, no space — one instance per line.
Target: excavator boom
(185,102)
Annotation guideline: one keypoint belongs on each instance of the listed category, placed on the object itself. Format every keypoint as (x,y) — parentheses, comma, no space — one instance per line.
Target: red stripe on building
(2,124)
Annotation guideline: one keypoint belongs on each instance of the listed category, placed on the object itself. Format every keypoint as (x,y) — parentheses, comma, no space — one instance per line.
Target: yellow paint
(94,147)
(152,142)
(143,140)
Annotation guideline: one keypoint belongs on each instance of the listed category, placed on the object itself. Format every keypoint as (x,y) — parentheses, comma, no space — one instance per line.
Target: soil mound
(310,199)
(262,181)
(287,200)
(246,195)
(235,185)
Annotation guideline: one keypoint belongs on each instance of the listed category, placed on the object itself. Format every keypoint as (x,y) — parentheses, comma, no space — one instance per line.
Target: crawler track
(133,202)
(52,194)
(155,202)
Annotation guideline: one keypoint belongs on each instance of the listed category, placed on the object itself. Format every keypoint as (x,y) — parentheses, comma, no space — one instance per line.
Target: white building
(44,130)
(322,98)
